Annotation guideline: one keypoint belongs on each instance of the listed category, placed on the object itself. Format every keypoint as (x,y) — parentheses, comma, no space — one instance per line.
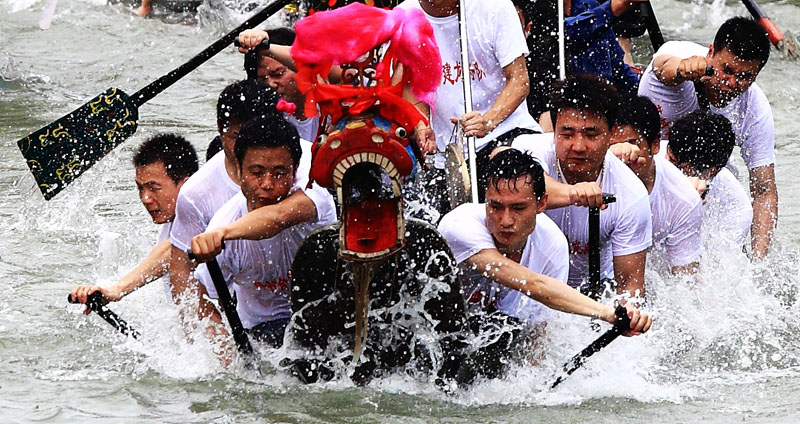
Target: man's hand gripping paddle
(623,323)
(60,152)
(96,304)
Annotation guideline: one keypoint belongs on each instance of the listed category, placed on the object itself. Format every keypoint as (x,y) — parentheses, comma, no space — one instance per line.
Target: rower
(584,110)
(513,256)
(163,163)
(724,76)
(700,144)
(268,152)
(675,205)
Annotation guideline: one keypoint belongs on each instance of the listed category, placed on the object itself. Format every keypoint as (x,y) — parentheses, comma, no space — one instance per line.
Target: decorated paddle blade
(63,150)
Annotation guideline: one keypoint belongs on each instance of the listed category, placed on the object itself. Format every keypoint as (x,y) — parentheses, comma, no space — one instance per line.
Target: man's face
(267,174)
(582,140)
(280,78)
(157,191)
(228,136)
(732,76)
(511,210)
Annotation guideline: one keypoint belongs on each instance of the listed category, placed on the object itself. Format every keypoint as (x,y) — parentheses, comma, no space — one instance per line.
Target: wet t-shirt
(728,212)
(258,270)
(495,41)
(545,252)
(677,215)
(625,225)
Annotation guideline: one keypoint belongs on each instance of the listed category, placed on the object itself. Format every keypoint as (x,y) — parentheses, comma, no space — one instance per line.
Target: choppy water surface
(728,349)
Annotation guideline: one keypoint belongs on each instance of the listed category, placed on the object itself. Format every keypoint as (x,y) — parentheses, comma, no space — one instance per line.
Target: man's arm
(560,195)
(262,223)
(765,208)
(551,292)
(153,267)
(629,273)
(672,70)
(193,304)
(513,94)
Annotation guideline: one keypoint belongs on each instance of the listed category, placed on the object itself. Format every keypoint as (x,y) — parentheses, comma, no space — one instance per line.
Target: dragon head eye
(401,132)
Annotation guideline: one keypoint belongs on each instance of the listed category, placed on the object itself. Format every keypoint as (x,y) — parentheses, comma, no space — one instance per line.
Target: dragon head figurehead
(366,148)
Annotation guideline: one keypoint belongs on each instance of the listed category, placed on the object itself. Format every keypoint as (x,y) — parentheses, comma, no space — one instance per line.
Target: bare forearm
(549,291)
(153,267)
(665,68)
(513,94)
(765,218)
(765,208)
(267,221)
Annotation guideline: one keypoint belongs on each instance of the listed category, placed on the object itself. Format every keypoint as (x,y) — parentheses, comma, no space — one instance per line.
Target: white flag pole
(462,26)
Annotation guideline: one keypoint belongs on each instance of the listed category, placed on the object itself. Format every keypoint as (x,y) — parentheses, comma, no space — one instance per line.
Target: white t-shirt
(625,225)
(258,270)
(677,215)
(495,41)
(199,198)
(209,188)
(546,252)
(727,212)
(750,113)
(306,128)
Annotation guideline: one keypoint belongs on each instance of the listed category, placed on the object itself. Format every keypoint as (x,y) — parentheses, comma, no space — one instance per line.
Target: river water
(727,349)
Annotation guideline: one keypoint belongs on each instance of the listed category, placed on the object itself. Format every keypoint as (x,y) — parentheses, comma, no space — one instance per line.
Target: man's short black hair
(745,38)
(640,113)
(511,164)
(586,93)
(244,100)
(173,151)
(270,131)
(281,36)
(702,139)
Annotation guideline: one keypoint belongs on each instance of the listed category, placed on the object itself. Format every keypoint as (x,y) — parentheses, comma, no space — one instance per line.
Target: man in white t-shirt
(263,67)
(497,71)
(739,52)
(585,109)
(700,144)
(675,205)
(515,256)
(509,224)
(163,163)
(269,152)
(216,182)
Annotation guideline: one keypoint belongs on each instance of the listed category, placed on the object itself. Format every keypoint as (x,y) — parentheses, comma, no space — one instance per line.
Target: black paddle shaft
(95,303)
(228,308)
(595,285)
(623,323)
(161,84)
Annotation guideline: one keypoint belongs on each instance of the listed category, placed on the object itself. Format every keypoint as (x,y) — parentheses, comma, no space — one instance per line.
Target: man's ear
(542,204)
(180,183)
(655,147)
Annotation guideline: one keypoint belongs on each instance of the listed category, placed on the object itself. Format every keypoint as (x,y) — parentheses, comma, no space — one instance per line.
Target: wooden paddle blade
(63,150)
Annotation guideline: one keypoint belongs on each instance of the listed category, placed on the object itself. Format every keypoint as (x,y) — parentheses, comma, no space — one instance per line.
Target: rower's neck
(647,173)
(232,168)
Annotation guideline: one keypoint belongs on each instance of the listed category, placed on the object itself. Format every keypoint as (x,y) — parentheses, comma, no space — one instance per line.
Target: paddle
(95,303)
(622,323)
(226,302)
(595,289)
(60,152)
(472,151)
(786,44)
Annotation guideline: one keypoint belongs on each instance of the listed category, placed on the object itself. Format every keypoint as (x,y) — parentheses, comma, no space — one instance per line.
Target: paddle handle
(95,303)
(595,288)
(653,30)
(154,88)
(228,308)
(622,323)
(263,45)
